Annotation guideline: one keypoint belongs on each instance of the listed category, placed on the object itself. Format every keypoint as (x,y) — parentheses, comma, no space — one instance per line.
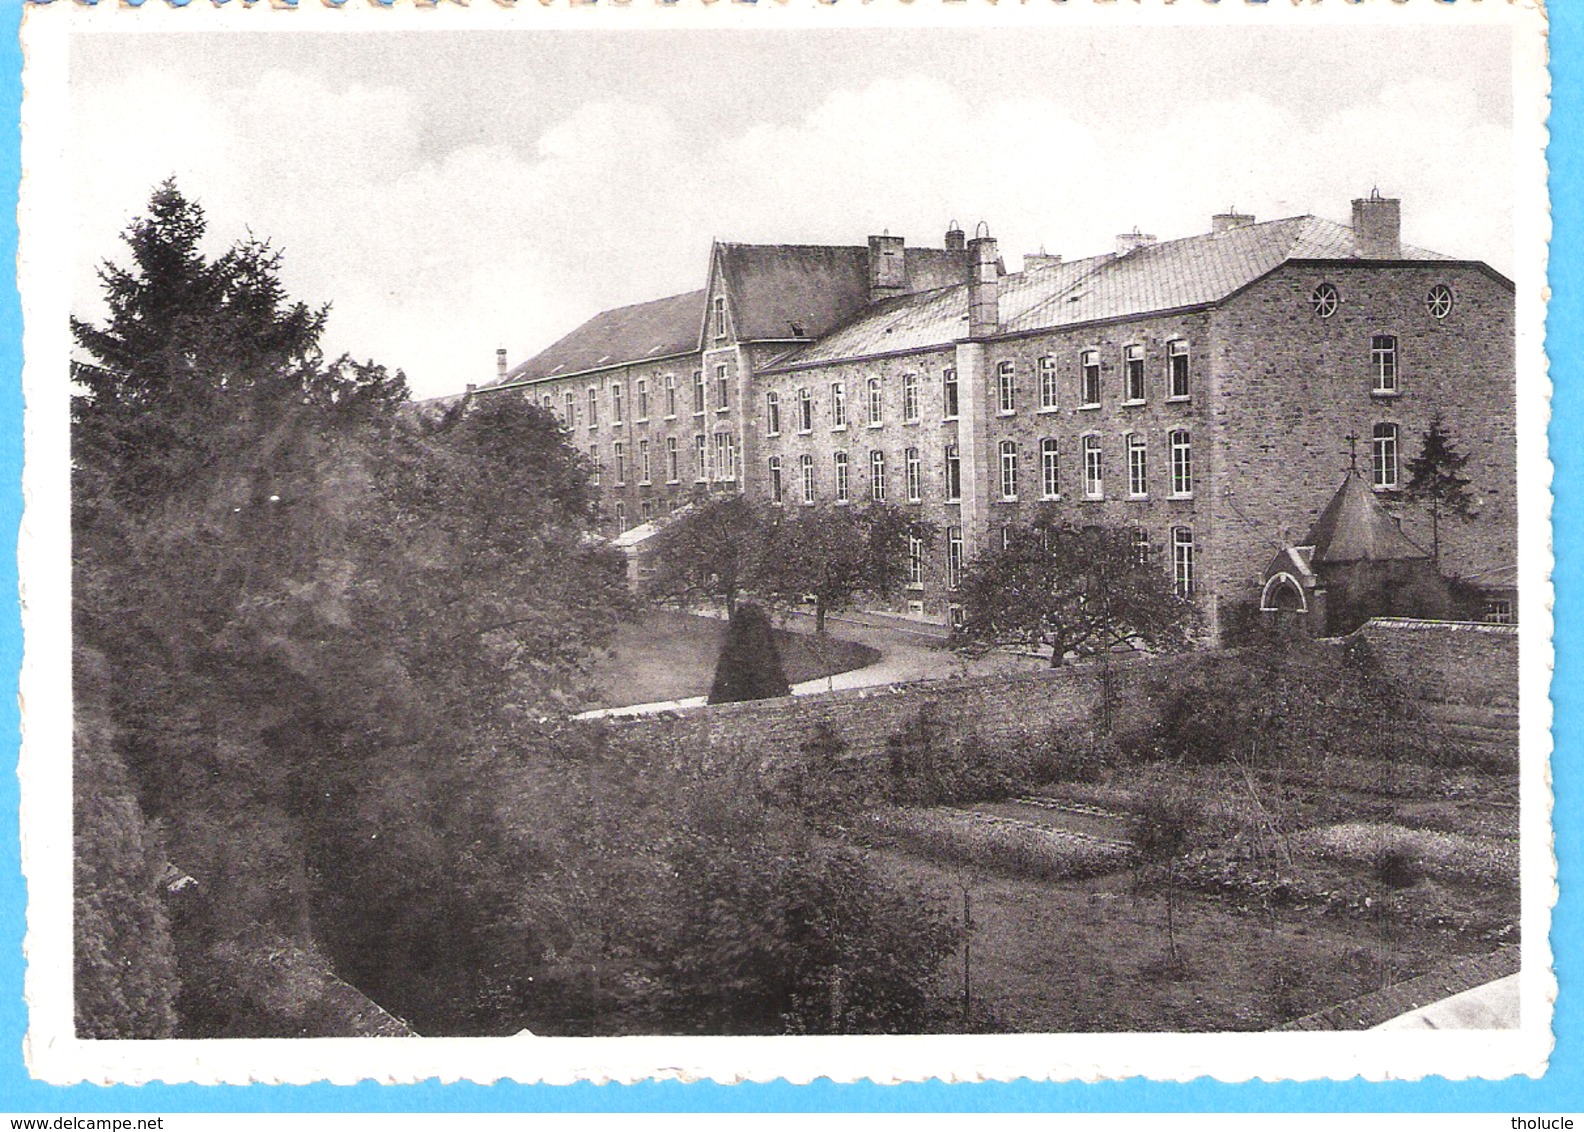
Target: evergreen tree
(750,662)
(1434,479)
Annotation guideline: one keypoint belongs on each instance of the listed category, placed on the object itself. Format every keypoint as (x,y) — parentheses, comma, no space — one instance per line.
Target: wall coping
(1412,624)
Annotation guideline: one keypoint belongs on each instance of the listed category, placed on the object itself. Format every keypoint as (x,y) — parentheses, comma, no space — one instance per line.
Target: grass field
(671,656)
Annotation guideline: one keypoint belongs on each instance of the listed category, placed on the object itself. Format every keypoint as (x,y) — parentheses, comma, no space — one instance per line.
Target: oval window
(1439,301)
(1324,300)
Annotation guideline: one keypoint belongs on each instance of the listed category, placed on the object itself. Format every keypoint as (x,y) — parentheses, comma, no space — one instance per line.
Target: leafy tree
(709,550)
(1074,589)
(1434,479)
(1165,824)
(836,553)
(750,663)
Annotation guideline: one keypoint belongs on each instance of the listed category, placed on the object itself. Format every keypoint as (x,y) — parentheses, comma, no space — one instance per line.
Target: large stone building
(1207,392)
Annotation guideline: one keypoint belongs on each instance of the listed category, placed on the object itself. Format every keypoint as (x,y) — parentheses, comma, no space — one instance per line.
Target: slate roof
(774,290)
(1176,274)
(1354,527)
(656,329)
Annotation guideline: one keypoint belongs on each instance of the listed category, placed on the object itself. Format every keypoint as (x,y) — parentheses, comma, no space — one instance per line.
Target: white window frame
(806,464)
(843,475)
(1133,384)
(877,476)
(772,413)
(1093,466)
(619,462)
(1049,385)
(915,561)
(953,474)
(1136,445)
(910,398)
(1050,468)
(593,407)
(701,469)
(673,460)
(641,395)
(805,409)
(951,403)
(914,474)
(1090,379)
(621,515)
(723,387)
(954,557)
(1182,477)
(838,406)
(1006,389)
(719,314)
(776,486)
(725,457)
(1008,455)
(643,461)
(876,402)
(1183,562)
(700,393)
(616,402)
(570,401)
(594,458)
(1383,365)
(1385,470)
(1142,552)
(670,388)
(1178,348)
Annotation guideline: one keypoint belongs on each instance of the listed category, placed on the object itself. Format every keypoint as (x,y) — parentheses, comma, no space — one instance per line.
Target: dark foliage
(1435,479)
(750,663)
(710,549)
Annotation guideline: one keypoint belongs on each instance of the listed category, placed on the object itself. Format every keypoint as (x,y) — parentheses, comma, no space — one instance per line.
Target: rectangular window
(954,557)
(772,413)
(699,393)
(643,461)
(673,460)
(915,560)
(838,404)
(910,398)
(720,316)
(1094,468)
(805,411)
(1009,470)
(876,403)
(1177,370)
(643,399)
(701,458)
(1383,457)
(877,479)
(808,478)
(841,478)
(594,461)
(1141,546)
(593,407)
(616,403)
(621,516)
(619,456)
(1383,360)
(949,394)
(1182,462)
(569,416)
(1133,374)
(1499,611)
(670,395)
(775,479)
(1138,466)
(1047,383)
(725,457)
(722,389)
(1050,469)
(1183,561)
(915,476)
(1006,388)
(953,475)
(1089,365)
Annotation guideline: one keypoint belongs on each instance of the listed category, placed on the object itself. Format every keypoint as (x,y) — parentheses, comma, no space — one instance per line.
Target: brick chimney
(888,273)
(984,284)
(1133,241)
(1377,226)
(500,364)
(956,241)
(1229,220)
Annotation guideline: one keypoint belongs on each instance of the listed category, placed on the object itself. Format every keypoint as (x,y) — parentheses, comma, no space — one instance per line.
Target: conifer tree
(1434,479)
(750,662)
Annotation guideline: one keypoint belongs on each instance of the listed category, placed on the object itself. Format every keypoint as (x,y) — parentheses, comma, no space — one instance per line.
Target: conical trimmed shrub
(750,663)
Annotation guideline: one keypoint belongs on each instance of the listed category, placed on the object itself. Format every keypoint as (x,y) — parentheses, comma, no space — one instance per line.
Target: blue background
(1560,1090)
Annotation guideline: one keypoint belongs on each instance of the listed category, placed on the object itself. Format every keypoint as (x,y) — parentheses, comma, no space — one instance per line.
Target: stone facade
(1208,393)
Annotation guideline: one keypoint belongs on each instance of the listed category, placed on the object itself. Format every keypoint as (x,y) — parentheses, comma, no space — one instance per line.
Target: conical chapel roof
(1354,527)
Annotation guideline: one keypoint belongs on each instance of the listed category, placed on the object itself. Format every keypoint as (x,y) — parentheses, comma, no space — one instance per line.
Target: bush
(750,662)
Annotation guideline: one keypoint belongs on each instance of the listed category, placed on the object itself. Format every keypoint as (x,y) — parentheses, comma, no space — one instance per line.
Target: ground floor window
(954,557)
(1183,561)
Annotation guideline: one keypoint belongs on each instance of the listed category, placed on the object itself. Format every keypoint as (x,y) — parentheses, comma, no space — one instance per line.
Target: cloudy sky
(449,193)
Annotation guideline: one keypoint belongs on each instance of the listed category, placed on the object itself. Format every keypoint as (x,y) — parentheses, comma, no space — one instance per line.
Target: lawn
(671,656)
